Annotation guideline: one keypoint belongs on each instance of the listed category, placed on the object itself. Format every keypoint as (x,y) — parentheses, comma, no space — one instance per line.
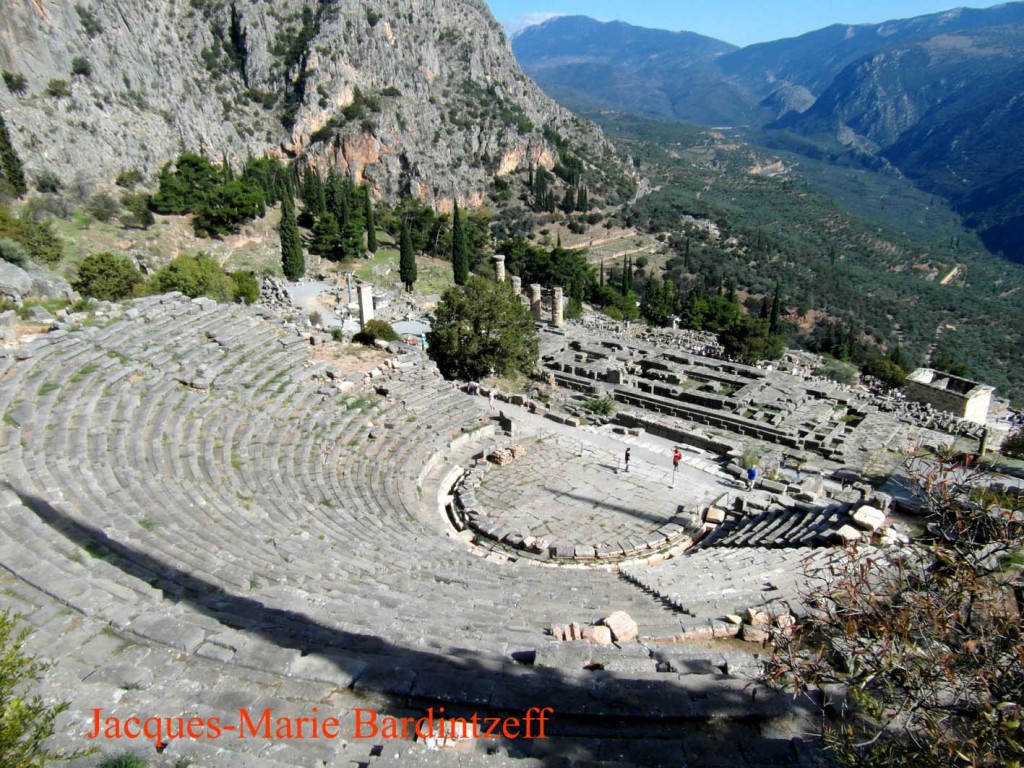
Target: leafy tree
(406,258)
(482,326)
(460,250)
(837,371)
(10,164)
(292,261)
(926,640)
(107,276)
(193,275)
(26,722)
(885,371)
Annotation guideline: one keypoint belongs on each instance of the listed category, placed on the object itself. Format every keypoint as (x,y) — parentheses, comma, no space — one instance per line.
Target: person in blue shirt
(751,478)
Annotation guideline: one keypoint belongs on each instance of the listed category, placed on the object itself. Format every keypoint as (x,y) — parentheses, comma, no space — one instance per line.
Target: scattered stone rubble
(616,627)
(506,455)
(274,295)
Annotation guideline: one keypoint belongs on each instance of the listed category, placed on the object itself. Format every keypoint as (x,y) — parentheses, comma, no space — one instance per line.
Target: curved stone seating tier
(710,583)
(557,503)
(187,478)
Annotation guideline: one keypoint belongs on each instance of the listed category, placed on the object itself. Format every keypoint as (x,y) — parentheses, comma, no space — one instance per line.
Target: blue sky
(740,22)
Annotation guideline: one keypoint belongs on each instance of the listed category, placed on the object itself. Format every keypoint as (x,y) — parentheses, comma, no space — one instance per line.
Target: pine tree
(460,250)
(407,257)
(371,224)
(292,260)
(10,165)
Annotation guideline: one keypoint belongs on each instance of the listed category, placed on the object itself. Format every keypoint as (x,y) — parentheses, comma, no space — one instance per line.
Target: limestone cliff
(418,96)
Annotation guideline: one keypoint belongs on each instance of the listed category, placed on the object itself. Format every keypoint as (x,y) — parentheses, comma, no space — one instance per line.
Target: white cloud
(519,23)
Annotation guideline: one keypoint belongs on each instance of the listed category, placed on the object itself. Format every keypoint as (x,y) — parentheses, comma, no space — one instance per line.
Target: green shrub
(13,252)
(127,760)
(194,275)
(81,67)
(58,88)
(137,211)
(129,178)
(885,371)
(15,82)
(602,406)
(89,22)
(245,287)
(1013,446)
(102,207)
(49,181)
(837,371)
(107,277)
(36,237)
(373,330)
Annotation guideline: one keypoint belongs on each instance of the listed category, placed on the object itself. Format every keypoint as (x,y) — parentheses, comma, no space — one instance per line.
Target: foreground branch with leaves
(918,649)
(26,722)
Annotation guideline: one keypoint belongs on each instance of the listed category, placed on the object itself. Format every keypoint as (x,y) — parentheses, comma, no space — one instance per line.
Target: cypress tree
(773,321)
(10,164)
(314,201)
(292,261)
(407,257)
(460,251)
(327,237)
(371,225)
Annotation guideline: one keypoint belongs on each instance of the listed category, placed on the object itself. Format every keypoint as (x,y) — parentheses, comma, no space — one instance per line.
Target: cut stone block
(869,518)
(622,627)
(597,635)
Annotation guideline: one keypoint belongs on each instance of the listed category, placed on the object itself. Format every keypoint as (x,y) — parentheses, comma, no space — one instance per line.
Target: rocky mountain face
(421,96)
(936,97)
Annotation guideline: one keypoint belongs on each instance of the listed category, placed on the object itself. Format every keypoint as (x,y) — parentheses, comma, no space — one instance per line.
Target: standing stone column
(365,304)
(557,308)
(517,284)
(535,301)
(499,267)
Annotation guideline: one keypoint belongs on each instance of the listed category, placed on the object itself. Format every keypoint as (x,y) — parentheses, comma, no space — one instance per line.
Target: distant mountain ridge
(938,96)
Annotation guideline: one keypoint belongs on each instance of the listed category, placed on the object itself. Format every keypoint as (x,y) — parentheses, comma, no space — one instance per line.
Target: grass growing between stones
(83,372)
(47,388)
